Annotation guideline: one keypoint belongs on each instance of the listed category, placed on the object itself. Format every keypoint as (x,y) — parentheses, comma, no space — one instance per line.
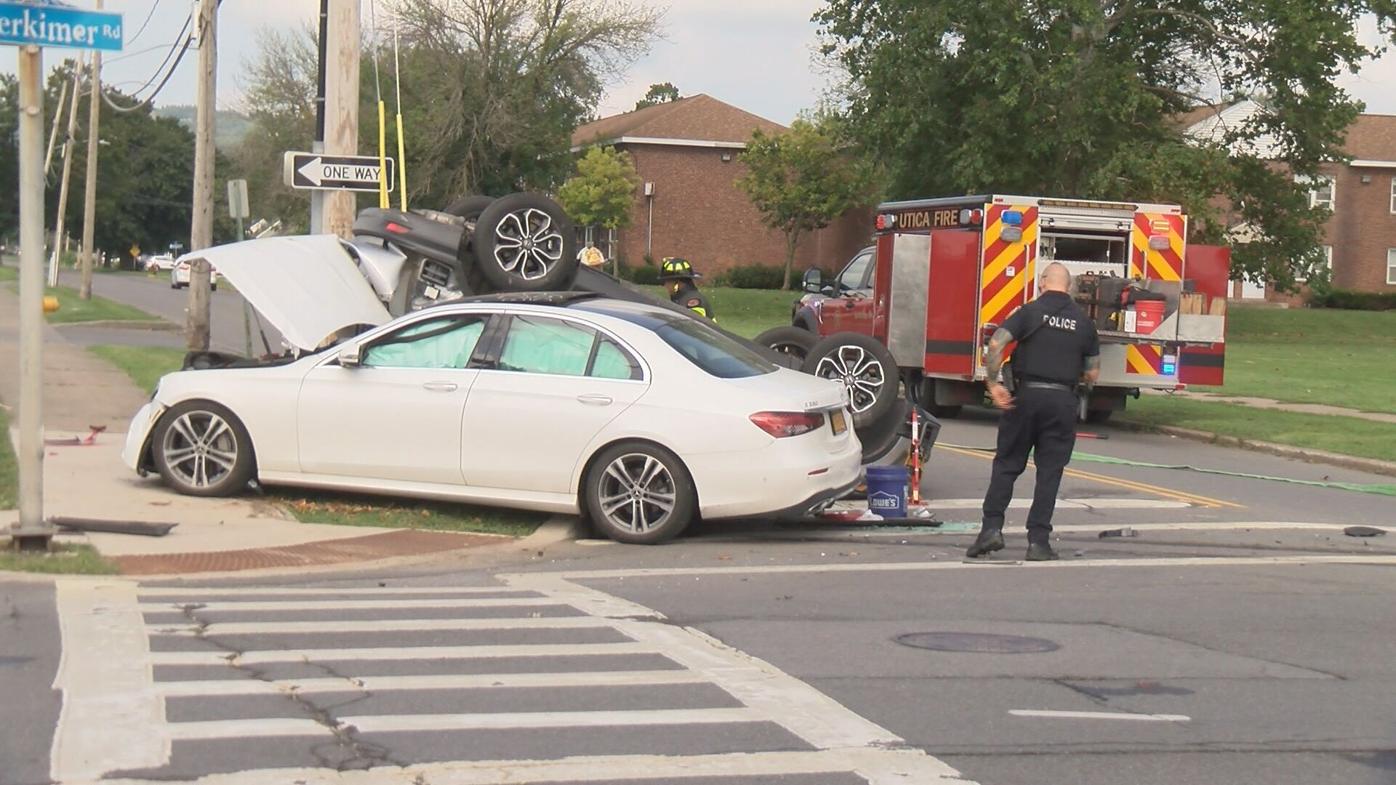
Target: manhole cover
(976,642)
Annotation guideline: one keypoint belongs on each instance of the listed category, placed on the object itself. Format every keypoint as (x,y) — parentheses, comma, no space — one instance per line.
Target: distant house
(687,153)
(1360,237)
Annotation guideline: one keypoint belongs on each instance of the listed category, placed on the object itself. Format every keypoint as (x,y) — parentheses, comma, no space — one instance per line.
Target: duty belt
(1050,386)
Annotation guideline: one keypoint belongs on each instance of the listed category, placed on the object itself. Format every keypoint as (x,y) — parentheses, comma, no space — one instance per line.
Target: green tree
(9,160)
(1083,98)
(280,104)
(661,93)
(803,179)
(602,191)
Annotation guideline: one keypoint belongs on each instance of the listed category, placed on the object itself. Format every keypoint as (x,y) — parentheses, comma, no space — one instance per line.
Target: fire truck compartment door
(906,312)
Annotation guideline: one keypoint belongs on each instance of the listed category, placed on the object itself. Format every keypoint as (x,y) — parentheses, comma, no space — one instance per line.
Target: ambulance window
(854,276)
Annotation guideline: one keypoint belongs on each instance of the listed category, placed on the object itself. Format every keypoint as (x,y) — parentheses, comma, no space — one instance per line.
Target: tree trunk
(792,239)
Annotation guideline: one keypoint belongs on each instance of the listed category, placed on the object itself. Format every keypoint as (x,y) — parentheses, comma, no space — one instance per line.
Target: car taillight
(397,228)
(783,424)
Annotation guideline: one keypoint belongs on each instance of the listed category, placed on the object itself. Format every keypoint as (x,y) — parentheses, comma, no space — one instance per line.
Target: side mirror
(814,281)
(349,356)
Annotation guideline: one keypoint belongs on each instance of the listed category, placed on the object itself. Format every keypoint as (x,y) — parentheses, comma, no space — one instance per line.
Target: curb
(1284,450)
(157,325)
(559,528)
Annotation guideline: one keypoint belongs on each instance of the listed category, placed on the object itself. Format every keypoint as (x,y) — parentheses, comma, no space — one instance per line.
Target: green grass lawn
(746,312)
(8,272)
(73,309)
(1346,435)
(9,470)
(144,364)
(62,560)
(1303,355)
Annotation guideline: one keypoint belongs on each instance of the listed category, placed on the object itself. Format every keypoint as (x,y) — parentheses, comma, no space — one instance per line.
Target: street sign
(321,172)
(51,25)
(237,199)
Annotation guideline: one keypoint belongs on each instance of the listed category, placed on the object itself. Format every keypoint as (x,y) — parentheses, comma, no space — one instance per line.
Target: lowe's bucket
(1148,315)
(887,491)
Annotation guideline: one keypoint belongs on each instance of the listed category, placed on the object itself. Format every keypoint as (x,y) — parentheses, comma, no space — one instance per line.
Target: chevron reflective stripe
(1008,266)
(1144,360)
(1145,261)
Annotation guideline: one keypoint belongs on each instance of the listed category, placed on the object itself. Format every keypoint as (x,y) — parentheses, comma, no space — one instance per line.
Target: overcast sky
(755,54)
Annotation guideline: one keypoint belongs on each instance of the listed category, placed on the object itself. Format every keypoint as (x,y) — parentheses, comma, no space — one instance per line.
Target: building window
(1322,191)
(1327,264)
(1393,196)
(1391,266)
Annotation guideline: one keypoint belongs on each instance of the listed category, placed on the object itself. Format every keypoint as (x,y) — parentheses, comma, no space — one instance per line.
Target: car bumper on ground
(137,432)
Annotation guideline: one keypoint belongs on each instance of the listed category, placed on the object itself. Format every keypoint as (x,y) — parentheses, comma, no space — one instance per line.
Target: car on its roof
(636,414)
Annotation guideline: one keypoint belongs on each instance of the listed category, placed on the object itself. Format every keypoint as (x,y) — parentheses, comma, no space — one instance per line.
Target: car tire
(191,433)
(525,243)
(616,474)
(864,366)
(793,342)
(469,207)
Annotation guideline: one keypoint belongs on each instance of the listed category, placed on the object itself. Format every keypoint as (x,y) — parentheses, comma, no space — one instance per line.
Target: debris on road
(1363,531)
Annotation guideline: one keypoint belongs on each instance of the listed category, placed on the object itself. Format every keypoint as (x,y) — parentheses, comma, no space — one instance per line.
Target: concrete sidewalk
(1300,408)
(212,535)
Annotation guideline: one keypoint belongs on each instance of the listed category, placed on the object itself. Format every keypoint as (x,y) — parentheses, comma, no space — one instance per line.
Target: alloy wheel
(527,243)
(637,493)
(861,373)
(200,449)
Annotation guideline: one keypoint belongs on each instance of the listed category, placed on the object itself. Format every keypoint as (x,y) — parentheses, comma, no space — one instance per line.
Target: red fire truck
(920,303)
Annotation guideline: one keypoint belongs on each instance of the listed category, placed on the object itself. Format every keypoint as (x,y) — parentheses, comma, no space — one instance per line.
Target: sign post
(32,27)
(317,171)
(237,204)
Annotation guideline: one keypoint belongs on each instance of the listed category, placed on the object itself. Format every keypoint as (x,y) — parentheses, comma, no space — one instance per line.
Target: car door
(397,415)
(852,309)
(550,386)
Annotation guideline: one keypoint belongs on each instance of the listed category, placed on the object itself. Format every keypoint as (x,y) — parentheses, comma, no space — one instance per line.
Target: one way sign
(334,172)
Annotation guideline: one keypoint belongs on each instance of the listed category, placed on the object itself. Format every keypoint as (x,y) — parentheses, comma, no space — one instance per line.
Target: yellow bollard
(50,303)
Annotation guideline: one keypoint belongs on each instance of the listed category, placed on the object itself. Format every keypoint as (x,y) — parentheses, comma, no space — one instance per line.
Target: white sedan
(642,417)
(180,273)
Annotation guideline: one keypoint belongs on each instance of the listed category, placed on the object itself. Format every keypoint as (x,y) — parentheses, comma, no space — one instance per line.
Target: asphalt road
(152,294)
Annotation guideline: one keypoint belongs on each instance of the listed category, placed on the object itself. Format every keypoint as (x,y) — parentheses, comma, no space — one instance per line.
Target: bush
(753,276)
(644,275)
(1355,301)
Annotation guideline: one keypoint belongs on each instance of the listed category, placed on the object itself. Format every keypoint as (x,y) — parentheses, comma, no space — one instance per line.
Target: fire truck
(919,305)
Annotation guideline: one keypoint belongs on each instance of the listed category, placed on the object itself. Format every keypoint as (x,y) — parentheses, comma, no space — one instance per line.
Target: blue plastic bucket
(887,490)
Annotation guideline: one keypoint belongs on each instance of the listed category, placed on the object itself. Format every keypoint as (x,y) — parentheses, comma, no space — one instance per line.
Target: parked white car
(181,271)
(642,417)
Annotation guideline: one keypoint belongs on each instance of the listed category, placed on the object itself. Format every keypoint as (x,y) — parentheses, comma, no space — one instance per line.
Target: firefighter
(678,277)
(1057,349)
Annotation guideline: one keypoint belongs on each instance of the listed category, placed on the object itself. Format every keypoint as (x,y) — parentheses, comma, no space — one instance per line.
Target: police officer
(678,276)
(1057,349)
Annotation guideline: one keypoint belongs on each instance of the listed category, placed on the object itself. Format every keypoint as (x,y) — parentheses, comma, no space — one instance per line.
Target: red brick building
(688,155)
(1360,237)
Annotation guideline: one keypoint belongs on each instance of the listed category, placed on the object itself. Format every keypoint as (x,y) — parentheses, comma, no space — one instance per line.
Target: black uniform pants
(1043,421)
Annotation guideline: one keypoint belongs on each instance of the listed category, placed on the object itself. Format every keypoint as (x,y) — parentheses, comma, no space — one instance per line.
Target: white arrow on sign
(311,171)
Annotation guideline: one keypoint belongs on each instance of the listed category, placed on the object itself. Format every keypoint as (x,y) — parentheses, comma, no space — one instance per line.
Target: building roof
(695,118)
(1372,137)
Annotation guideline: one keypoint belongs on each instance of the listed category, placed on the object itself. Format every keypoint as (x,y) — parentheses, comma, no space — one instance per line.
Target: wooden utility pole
(89,207)
(58,118)
(342,47)
(68,145)
(201,228)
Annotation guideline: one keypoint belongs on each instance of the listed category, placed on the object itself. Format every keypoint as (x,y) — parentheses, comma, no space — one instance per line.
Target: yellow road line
(1167,493)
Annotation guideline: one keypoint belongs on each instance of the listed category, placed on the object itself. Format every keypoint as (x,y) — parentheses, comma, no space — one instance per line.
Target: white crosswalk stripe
(149,670)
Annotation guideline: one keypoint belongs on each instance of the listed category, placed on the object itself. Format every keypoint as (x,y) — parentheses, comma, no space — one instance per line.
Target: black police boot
(1041,551)
(989,540)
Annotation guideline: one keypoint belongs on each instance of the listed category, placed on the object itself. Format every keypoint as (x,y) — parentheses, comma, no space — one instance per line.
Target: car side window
(852,277)
(435,343)
(613,362)
(542,345)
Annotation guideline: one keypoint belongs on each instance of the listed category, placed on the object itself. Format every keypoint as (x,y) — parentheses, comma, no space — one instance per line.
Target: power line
(188,40)
(148,17)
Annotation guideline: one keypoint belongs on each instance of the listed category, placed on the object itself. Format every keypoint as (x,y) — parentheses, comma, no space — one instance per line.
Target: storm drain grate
(980,643)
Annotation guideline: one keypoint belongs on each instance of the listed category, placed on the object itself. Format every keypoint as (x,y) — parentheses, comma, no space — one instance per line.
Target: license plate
(837,422)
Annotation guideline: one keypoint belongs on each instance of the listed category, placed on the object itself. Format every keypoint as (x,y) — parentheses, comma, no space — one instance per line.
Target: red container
(1148,315)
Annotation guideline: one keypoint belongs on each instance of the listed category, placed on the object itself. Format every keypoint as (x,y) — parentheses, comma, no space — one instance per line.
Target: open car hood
(307,287)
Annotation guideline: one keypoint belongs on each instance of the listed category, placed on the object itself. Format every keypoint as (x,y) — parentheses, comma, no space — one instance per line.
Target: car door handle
(440,386)
(594,399)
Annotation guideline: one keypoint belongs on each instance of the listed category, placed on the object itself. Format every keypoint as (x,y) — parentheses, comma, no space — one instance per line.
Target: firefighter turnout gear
(678,276)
